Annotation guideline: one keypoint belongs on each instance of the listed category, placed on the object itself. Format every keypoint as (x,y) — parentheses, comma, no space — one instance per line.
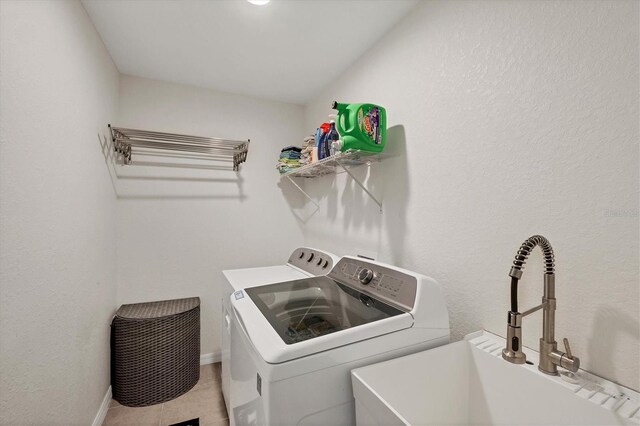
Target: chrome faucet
(550,357)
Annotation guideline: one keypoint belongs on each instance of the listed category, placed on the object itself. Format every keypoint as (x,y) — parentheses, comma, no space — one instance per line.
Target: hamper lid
(158,309)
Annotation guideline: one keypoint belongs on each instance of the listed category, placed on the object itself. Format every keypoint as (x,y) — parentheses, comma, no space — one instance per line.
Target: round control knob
(365,276)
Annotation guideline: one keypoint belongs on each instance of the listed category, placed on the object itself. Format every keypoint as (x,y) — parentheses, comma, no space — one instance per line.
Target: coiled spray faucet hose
(521,258)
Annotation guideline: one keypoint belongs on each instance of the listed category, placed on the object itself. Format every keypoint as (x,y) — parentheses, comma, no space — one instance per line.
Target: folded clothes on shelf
(290,154)
(292,157)
(291,148)
(289,159)
(286,168)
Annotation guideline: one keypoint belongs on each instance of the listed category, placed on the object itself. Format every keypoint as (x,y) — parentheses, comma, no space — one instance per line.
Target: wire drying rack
(128,143)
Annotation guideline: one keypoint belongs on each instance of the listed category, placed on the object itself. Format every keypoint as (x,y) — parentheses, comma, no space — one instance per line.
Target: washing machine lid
(293,319)
(303,262)
(250,277)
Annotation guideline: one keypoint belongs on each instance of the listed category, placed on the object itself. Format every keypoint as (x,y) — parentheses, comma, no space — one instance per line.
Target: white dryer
(303,262)
(295,342)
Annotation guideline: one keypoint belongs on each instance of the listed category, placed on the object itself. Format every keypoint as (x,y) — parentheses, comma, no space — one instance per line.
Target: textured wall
(59,90)
(507,119)
(178,229)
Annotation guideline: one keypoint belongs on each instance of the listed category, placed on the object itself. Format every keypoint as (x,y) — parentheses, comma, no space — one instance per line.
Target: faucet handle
(567,360)
(567,348)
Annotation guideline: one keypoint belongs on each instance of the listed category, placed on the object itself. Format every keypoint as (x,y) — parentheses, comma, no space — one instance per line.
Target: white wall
(507,119)
(178,229)
(59,90)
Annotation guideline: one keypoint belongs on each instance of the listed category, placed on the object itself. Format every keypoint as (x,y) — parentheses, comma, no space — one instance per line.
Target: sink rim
(622,403)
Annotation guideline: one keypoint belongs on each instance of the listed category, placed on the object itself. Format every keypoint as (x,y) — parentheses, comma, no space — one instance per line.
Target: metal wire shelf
(130,142)
(338,163)
(335,163)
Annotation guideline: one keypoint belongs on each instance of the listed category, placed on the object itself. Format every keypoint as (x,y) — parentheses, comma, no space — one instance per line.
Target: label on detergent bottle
(369,123)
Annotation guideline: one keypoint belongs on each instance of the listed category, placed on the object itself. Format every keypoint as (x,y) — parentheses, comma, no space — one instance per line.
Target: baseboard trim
(205,359)
(102,412)
(210,358)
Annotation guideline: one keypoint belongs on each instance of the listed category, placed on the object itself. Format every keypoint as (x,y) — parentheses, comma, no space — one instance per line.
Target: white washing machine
(304,262)
(295,342)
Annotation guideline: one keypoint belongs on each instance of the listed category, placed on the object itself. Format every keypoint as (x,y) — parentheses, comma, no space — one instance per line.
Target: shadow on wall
(140,181)
(363,223)
(347,206)
(302,204)
(396,188)
(388,181)
(610,326)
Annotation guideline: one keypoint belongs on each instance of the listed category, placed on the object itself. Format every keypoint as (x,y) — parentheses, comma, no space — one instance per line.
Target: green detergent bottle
(361,126)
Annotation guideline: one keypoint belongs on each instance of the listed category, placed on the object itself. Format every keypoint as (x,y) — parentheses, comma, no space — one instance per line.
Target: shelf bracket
(356,180)
(304,192)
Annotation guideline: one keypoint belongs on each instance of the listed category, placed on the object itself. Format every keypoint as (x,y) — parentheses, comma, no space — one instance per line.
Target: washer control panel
(389,285)
(312,261)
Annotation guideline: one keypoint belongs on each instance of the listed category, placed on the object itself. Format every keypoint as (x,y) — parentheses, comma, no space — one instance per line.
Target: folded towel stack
(289,159)
(290,155)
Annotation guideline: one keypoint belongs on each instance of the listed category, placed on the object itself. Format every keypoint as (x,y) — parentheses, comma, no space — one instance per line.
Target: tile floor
(203,401)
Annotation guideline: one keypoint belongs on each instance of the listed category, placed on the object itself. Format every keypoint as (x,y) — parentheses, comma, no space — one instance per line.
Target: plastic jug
(332,137)
(320,146)
(361,126)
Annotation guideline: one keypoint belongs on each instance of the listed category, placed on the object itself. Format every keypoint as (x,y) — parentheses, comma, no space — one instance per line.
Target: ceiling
(287,50)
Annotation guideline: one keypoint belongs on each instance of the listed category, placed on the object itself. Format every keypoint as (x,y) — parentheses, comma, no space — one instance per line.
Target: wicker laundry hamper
(155,351)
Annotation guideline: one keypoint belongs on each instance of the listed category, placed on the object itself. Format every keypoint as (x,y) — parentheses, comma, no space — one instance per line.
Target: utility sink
(468,383)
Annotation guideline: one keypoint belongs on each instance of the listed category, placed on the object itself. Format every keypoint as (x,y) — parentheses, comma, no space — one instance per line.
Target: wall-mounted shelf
(128,143)
(338,163)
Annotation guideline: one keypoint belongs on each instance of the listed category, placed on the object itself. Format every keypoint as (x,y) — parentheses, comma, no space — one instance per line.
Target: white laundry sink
(468,383)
